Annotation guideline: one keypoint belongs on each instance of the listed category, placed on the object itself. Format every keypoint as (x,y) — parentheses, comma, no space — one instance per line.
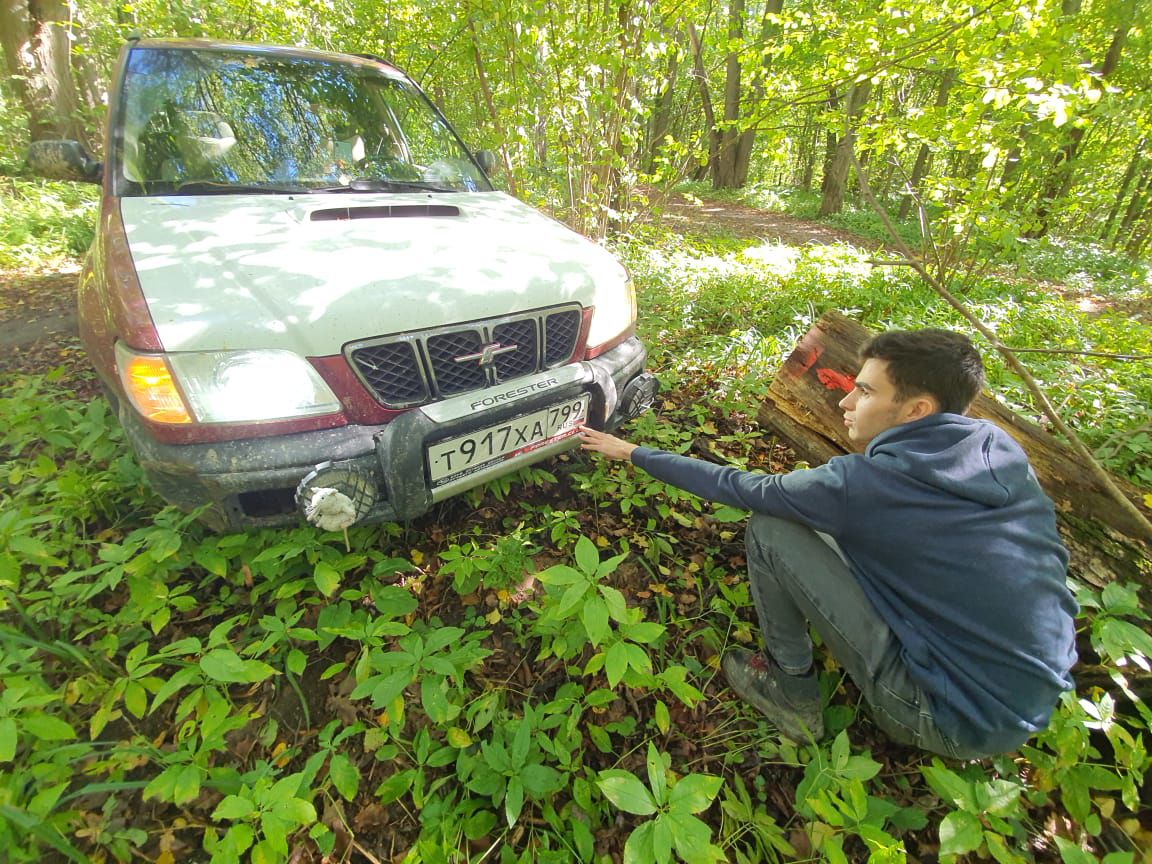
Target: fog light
(638,395)
(335,496)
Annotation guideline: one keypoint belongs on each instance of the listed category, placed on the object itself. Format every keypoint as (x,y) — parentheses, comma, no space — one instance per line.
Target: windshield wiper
(381,184)
(209,187)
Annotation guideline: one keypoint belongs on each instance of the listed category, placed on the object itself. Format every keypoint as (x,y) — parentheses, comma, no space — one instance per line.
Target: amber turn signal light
(149,385)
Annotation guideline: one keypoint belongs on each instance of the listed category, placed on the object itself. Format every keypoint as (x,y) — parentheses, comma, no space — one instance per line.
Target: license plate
(465,454)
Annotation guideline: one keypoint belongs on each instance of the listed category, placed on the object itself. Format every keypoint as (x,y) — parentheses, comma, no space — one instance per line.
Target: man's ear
(920,406)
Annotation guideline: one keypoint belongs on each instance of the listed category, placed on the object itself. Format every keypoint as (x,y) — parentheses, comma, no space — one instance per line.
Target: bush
(44,224)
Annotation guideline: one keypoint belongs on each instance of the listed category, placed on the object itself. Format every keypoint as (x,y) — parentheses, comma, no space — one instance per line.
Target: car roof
(267,50)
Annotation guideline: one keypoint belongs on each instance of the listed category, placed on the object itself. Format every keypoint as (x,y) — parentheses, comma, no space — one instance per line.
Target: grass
(1079,263)
(530,671)
(44,223)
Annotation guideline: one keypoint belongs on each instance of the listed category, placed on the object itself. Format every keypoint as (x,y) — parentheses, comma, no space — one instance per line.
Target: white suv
(303,280)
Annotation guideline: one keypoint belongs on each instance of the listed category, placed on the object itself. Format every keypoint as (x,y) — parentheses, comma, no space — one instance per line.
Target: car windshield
(219,122)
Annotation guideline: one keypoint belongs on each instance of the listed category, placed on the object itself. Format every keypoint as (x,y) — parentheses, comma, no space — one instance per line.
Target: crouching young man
(929,564)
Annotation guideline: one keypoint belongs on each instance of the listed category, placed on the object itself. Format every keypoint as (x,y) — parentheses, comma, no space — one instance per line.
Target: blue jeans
(798,576)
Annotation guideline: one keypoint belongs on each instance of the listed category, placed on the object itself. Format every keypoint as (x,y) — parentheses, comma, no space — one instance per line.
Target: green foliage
(538,675)
(673,806)
(537,684)
(754,834)
(979,803)
(43,224)
(501,566)
(511,766)
(833,791)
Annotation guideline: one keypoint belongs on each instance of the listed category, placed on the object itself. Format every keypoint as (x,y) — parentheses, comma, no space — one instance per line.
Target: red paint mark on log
(804,355)
(833,380)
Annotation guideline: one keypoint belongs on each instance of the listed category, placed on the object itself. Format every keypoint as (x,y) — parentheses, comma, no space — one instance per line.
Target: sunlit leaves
(345,776)
(233,807)
(694,793)
(674,826)
(225,665)
(46,727)
(960,832)
(626,792)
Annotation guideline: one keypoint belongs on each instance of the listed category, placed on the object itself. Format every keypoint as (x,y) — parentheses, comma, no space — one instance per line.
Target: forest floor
(38,328)
(683,214)
(38,335)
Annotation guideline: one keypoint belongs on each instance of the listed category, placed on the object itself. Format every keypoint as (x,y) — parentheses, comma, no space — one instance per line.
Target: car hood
(222,272)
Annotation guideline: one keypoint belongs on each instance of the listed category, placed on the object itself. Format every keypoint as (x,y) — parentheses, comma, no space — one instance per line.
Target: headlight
(224,386)
(615,313)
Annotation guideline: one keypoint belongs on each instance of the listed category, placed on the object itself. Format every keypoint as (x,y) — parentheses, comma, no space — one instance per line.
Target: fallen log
(801,407)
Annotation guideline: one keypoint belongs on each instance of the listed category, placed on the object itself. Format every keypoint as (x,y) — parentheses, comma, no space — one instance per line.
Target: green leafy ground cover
(529,673)
(43,224)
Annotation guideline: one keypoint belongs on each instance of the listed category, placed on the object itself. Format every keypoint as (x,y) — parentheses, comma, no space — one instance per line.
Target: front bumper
(252,483)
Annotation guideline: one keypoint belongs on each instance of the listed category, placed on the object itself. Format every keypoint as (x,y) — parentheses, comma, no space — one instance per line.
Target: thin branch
(1083,353)
(1030,383)
(359,847)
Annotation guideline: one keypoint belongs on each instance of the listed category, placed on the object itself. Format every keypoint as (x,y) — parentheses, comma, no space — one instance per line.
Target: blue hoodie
(955,543)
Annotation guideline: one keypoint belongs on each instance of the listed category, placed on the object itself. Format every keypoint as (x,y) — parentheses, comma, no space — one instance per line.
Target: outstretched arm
(605,444)
(814,497)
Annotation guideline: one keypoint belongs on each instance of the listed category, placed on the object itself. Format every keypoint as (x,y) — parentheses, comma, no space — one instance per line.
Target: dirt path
(683,214)
(38,328)
(35,306)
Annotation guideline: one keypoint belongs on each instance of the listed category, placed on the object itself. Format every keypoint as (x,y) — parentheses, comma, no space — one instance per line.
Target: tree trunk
(724,171)
(742,159)
(1058,182)
(864,157)
(616,192)
(89,82)
(1135,206)
(1129,176)
(1011,165)
(884,184)
(834,102)
(923,158)
(1141,233)
(34,35)
(662,113)
(811,139)
(701,77)
(486,92)
(801,407)
(837,174)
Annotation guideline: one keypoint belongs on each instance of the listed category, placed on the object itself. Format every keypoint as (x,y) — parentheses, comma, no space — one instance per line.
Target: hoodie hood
(958,455)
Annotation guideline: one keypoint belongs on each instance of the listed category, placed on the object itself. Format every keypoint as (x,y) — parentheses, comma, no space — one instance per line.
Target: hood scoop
(386,211)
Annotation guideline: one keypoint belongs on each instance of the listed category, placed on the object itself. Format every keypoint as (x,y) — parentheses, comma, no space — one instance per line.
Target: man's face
(873,407)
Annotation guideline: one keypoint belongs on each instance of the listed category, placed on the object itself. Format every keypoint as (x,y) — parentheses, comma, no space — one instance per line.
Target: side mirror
(64,160)
(487,161)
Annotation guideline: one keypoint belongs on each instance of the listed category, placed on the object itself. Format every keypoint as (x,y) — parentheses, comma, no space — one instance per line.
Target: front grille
(525,359)
(560,332)
(393,368)
(413,368)
(452,377)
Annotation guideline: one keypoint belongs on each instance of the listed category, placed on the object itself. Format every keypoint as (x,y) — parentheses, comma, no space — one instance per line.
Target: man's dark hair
(940,363)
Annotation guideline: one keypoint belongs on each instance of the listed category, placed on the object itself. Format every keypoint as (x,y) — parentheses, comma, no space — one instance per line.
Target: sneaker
(791,702)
